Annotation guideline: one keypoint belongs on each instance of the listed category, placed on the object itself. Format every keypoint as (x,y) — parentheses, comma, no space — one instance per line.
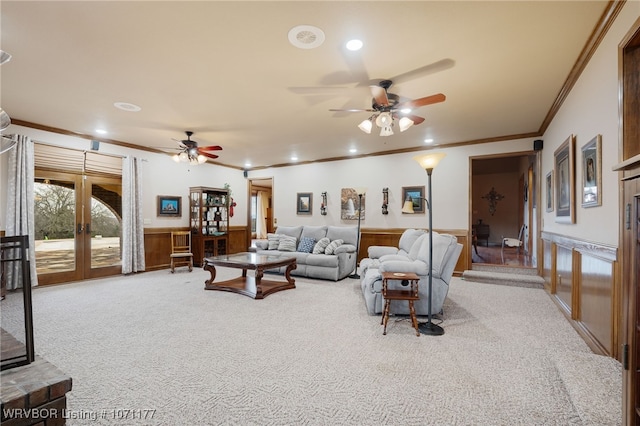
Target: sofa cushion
(415,248)
(443,245)
(348,234)
(321,245)
(331,248)
(287,243)
(322,260)
(292,231)
(306,244)
(408,238)
(315,232)
(273,241)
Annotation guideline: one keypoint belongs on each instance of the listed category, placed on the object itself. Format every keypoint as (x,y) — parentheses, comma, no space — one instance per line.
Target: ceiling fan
(387,108)
(190,152)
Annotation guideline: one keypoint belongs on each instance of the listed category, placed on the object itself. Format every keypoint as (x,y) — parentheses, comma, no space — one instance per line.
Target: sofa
(324,252)
(411,255)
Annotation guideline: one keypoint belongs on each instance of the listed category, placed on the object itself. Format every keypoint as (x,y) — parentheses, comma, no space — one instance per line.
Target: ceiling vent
(306,37)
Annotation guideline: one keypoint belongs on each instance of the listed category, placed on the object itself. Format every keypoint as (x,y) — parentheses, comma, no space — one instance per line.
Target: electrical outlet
(147,221)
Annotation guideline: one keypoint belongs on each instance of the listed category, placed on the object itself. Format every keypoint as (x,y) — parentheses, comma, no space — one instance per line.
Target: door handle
(80,228)
(87,228)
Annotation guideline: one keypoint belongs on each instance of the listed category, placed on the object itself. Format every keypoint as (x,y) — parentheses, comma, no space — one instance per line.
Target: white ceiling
(226,71)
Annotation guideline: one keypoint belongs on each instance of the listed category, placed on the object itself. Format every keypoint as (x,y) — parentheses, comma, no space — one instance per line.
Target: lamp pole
(429,162)
(355,272)
(429,327)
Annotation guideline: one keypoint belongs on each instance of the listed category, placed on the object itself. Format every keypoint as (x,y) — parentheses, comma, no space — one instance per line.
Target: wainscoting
(580,276)
(157,245)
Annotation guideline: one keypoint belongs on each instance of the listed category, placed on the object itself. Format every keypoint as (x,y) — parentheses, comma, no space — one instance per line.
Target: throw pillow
(274,241)
(333,246)
(287,243)
(321,245)
(306,245)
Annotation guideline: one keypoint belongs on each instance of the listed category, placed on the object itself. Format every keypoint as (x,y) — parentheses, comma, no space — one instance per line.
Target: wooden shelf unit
(209,219)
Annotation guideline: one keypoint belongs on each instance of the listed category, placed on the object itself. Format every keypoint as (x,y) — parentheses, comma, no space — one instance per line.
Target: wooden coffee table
(254,287)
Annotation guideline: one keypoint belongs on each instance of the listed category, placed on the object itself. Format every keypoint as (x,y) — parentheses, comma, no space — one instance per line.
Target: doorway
(261,212)
(503,205)
(77,226)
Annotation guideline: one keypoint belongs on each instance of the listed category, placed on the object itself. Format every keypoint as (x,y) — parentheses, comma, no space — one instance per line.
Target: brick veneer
(34,394)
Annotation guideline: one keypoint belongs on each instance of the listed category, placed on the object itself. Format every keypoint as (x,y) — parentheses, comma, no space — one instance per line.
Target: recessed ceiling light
(294,158)
(125,106)
(101,131)
(353,150)
(306,36)
(247,164)
(354,45)
(428,140)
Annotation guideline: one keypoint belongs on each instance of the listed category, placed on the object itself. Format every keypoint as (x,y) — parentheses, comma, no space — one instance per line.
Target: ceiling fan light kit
(190,153)
(386,106)
(366,125)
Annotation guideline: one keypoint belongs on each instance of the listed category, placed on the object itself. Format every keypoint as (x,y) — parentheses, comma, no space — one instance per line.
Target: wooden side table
(410,295)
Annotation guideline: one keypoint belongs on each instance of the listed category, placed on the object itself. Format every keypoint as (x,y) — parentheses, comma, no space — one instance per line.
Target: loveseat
(411,255)
(325,252)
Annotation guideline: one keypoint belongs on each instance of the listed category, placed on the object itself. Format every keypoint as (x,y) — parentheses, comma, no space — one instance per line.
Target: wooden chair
(513,242)
(181,254)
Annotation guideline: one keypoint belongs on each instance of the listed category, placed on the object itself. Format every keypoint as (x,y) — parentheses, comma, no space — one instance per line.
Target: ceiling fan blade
(380,95)
(428,100)
(352,110)
(207,154)
(210,148)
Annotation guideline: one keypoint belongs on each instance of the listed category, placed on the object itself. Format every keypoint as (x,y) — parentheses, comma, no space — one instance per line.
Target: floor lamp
(360,192)
(427,162)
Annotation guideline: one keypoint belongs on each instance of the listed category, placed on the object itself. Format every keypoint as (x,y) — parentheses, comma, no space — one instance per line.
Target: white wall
(450,187)
(162,176)
(591,109)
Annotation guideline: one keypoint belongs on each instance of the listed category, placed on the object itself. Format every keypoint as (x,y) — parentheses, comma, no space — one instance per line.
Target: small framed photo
(304,204)
(169,206)
(565,181)
(549,186)
(592,173)
(416,193)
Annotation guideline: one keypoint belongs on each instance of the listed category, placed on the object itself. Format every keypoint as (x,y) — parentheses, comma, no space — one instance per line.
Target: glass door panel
(56,216)
(78,227)
(103,226)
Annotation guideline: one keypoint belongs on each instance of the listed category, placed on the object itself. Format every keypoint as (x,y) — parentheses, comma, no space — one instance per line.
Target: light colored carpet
(312,356)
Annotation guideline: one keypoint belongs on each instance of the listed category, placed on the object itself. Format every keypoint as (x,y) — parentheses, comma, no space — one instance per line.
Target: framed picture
(169,206)
(549,185)
(592,173)
(417,196)
(304,202)
(565,181)
(350,207)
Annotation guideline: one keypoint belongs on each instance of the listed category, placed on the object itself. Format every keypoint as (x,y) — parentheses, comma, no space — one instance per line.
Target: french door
(77,225)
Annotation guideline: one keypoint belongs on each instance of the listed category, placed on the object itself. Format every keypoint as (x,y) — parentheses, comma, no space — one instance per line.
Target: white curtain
(262,202)
(132,221)
(20,206)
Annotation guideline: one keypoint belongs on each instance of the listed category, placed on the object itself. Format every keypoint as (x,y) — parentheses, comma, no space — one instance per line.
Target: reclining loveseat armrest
(345,248)
(376,252)
(262,244)
(416,266)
